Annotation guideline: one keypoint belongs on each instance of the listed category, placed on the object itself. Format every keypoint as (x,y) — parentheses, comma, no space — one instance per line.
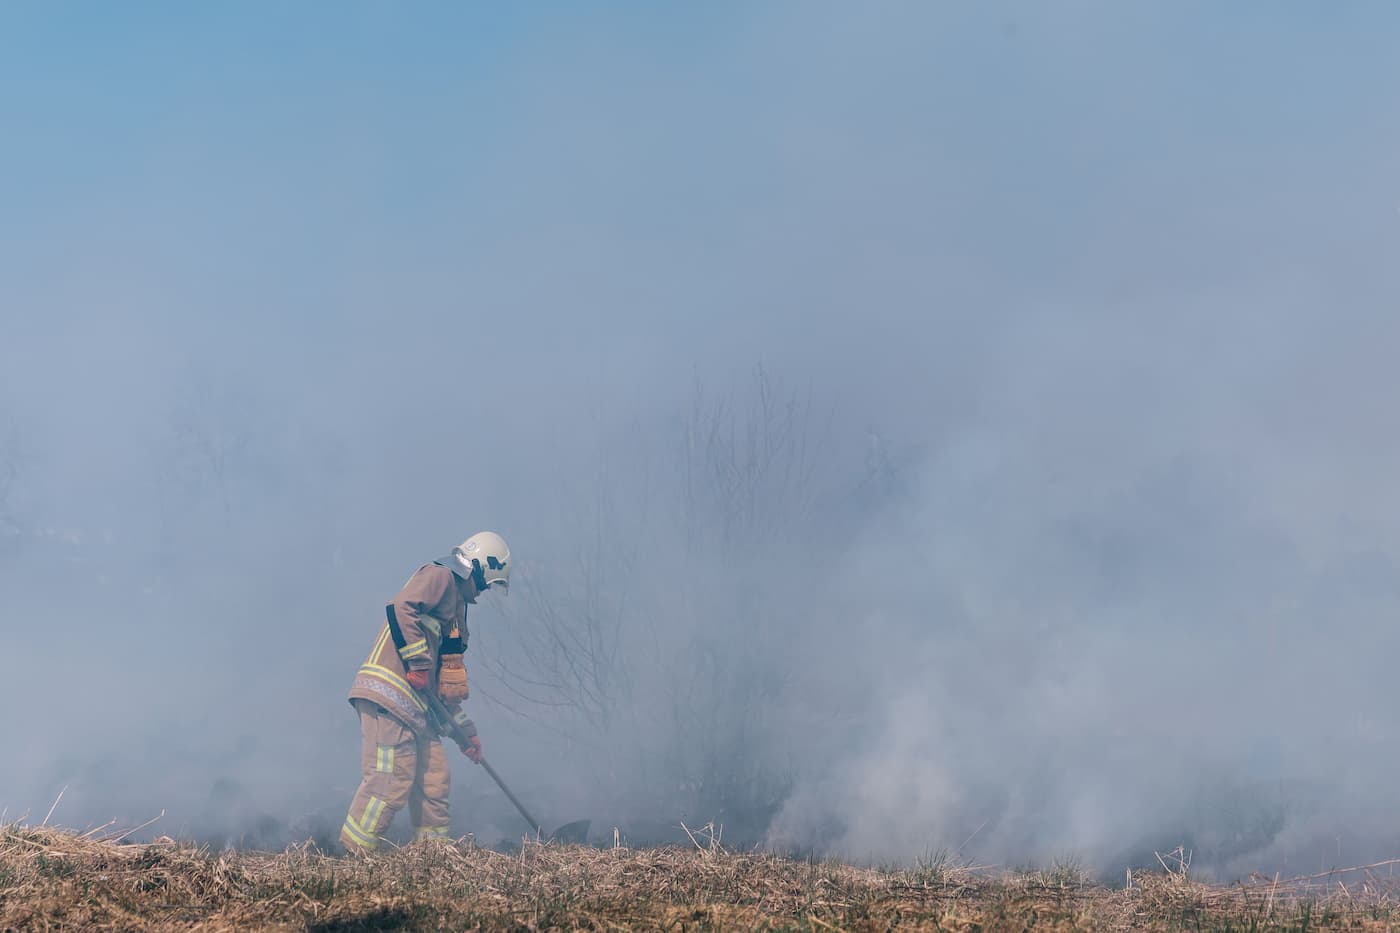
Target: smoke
(945,430)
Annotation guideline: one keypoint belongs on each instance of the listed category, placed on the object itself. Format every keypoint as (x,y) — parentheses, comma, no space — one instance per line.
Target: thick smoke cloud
(928,431)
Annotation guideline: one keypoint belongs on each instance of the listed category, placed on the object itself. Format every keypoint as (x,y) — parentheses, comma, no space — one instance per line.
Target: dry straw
(51,879)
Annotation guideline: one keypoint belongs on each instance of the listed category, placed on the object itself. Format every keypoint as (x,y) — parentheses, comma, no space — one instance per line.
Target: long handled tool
(534,824)
(574,833)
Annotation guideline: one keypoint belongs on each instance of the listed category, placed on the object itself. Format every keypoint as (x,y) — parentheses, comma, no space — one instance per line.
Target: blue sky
(663,164)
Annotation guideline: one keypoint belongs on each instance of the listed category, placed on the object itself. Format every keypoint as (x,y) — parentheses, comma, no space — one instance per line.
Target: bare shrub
(668,623)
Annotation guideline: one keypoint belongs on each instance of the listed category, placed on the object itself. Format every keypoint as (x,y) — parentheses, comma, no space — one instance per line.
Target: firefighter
(419,649)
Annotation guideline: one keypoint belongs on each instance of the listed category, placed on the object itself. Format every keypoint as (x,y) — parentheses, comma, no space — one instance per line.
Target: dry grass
(51,879)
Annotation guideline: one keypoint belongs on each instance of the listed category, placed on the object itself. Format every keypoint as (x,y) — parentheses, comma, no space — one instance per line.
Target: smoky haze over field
(961,429)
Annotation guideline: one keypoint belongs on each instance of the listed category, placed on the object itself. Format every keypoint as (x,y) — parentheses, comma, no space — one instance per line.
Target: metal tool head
(574,834)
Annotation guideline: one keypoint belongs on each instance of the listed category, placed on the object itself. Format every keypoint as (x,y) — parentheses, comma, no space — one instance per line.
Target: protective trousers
(398,767)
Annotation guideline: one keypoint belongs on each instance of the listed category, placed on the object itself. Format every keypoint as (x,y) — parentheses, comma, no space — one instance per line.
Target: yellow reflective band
(432,832)
(414,650)
(378,646)
(358,836)
(460,717)
(355,824)
(384,759)
(373,811)
(379,670)
(393,680)
(431,624)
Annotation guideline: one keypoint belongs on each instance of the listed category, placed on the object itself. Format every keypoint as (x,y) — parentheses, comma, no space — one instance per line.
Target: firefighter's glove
(418,680)
(452,679)
(471,748)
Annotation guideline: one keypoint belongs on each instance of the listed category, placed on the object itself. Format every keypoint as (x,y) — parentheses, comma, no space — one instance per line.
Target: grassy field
(51,879)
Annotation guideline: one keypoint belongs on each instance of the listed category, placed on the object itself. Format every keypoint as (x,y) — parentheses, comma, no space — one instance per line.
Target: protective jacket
(431,604)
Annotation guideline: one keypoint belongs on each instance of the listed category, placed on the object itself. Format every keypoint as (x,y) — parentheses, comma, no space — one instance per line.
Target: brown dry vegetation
(58,880)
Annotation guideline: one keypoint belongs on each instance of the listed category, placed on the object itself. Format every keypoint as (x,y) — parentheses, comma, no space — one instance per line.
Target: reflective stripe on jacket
(430,603)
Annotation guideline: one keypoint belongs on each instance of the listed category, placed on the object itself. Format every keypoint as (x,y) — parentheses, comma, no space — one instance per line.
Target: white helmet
(484,558)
